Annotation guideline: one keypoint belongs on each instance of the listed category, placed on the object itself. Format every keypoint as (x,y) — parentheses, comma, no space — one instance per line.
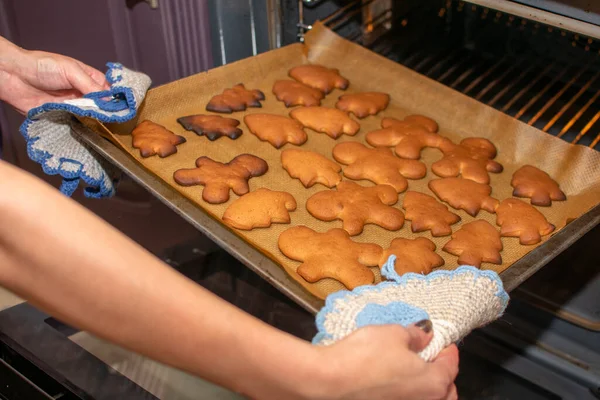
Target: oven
(535,60)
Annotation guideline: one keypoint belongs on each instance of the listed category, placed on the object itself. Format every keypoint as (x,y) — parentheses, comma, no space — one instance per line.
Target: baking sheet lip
(229,241)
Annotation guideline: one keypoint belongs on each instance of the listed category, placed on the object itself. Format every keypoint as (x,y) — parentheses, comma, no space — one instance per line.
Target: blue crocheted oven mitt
(53,142)
(456,302)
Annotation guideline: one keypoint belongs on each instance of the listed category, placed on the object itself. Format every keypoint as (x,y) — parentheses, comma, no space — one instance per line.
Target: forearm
(73,265)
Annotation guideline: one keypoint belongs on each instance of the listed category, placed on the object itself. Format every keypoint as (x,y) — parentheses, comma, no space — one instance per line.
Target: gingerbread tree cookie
(154,139)
(363,104)
(519,219)
(412,255)
(219,178)
(294,93)
(330,121)
(319,77)
(378,165)
(310,167)
(260,209)
(472,159)
(211,126)
(238,98)
(428,214)
(474,243)
(276,129)
(356,206)
(330,255)
(464,194)
(536,184)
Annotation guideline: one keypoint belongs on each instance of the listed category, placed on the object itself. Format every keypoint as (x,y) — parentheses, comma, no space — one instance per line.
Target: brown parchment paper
(576,168)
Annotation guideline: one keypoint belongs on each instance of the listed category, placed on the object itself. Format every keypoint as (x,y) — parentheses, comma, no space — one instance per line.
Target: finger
(96,75)
(446,363)
(80,80)
(420,335)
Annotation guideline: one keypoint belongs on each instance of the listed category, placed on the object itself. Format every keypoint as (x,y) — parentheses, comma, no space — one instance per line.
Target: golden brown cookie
(238,98)
(319,77)
(152,138)
(409,137)
(260,209)
(356,206)
(330,255)
(472,159)
(211,126)
(428,214)
(519,219)
(474,243)
(218,178)
(412,255)
(536,184)
(378,165)
(276,129)
(331,121)
(294,93)
(363,104)
(464,194)
(310,167)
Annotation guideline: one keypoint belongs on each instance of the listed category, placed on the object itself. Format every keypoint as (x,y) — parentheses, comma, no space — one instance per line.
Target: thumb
(420,335)
(80,80)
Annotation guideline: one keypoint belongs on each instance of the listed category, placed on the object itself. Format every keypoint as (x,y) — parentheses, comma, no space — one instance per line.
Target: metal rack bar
(508,87)
(483,76)
(578,115)
(493,83)
(538,95)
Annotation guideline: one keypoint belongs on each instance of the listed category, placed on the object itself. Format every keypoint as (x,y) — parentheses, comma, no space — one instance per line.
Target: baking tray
(458,115)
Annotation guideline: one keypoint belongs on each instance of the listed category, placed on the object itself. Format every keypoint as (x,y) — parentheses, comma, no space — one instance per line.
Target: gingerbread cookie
(294,93)
(310,168)
(330,255)
(276,129)
(260,209)
(412,255)
(331,121)
(238,98)
(474,243)
(409,137)
(356,206)
(472,159)
(378,165)
(152,138)
(218,178)
(319,77)
(536,184)
(211,126)
(464,194)
(428,214)
(519,219)
(363,104)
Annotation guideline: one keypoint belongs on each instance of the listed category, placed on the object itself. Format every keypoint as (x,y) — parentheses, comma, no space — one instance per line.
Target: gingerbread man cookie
(310,167)
(472,159)
(330,121)
(412,255)
(154,139)
(238,98)
(474,243)
(276,129)
(464,194)
(536,184)
(409,137)
(260,209)
(219,178)
(356,206)
(378,165)
(519,219)
(211,126)
(294,93)
(330,255)
(428,214)
(319,77)
(363,104)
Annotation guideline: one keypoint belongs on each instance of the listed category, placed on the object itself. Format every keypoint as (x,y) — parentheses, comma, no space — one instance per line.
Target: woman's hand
(381,362)
(31,78)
